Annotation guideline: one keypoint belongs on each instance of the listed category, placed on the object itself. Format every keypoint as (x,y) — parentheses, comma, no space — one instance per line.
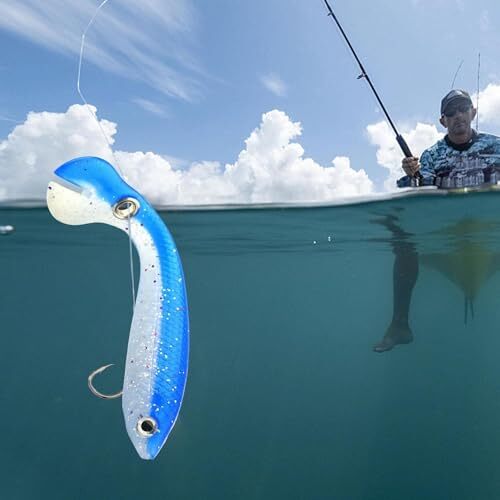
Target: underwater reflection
(468,264)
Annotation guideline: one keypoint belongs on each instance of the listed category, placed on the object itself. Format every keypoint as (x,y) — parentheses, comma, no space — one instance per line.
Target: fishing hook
(94,391)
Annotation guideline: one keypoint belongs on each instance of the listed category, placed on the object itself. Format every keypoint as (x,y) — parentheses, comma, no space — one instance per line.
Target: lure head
(90,190)
(148,436)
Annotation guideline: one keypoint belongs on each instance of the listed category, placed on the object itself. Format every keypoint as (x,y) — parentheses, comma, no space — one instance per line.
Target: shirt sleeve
(427,168)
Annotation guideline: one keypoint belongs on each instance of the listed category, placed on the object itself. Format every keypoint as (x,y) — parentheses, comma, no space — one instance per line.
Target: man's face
(458,117)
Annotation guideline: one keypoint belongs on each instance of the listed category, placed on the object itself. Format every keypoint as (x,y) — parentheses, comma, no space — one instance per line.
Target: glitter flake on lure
(157,355)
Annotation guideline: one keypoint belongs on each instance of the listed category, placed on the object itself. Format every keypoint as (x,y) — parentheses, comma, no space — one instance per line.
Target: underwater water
(285,396)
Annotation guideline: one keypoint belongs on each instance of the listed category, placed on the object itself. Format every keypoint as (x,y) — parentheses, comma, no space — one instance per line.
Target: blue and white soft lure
(157,355)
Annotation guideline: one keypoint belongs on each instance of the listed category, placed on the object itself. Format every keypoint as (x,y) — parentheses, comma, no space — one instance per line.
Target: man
(462,158)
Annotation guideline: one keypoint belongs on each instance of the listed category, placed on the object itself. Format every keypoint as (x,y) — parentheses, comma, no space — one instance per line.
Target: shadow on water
(285,396)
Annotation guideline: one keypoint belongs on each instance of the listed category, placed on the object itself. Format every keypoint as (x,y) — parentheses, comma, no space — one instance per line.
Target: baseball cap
(454,95)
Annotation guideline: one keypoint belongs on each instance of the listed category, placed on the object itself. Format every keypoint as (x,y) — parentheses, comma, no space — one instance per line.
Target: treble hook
(94,391)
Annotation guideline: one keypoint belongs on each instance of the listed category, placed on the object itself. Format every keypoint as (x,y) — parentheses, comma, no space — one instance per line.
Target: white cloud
(271,168)
(274,84)
(389,154)
(150,49)
(489,106)
(150,106)
(34,149)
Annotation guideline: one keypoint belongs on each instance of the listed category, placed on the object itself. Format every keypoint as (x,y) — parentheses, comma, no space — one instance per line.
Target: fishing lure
(91,191)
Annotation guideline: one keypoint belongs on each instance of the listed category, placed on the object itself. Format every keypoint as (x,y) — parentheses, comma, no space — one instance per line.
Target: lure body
(157,354)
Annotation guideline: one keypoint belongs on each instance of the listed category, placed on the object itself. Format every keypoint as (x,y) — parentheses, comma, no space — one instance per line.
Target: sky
(231,101)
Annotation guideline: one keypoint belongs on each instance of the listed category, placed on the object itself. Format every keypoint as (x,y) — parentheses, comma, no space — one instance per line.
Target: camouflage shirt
(449,165)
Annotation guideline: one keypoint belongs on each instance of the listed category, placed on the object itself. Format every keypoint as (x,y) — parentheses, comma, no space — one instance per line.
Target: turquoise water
(285,397)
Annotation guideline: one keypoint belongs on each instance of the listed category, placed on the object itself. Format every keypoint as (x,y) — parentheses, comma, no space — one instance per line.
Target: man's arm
(427,169)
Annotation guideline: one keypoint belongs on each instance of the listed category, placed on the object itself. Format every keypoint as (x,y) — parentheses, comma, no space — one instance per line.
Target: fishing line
(131,259)
(456,74)
(477,97)
(108,142)
(78,88)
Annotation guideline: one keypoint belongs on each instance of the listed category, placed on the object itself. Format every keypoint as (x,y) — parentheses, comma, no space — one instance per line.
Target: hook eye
(147,426)
(126,208)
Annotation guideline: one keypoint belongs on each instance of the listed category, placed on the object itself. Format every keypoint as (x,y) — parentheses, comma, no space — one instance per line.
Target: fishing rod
(477,98)
(402,143)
